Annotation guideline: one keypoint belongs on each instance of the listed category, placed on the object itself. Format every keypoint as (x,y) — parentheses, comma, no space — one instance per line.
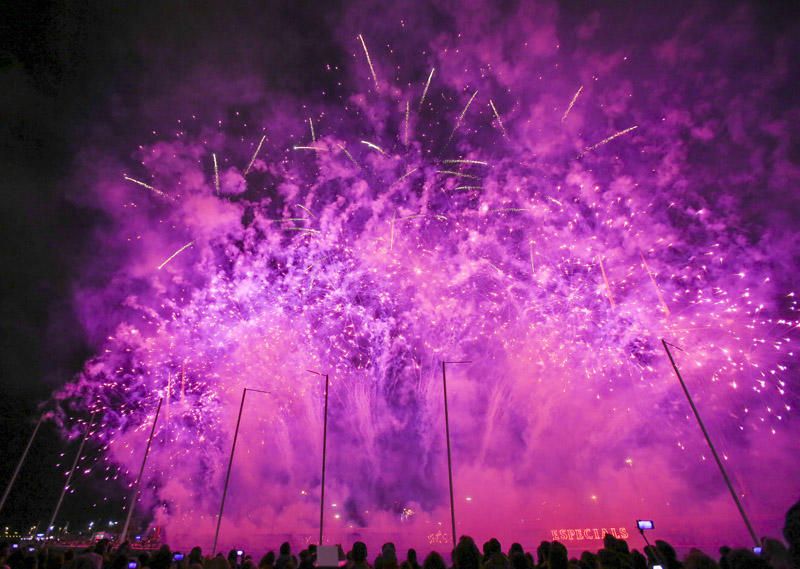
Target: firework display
(547,217)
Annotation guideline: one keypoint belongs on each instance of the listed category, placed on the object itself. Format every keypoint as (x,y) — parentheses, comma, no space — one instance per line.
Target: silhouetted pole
(324,455)
(123,537)
(711,446)
(230,467)
(20,463)
(69,476)
(449,457)
(228,475)
(652,549)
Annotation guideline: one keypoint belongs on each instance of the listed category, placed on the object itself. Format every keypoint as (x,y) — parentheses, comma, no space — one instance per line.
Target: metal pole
(324,454)
(228,475)
(711,446)
(449,458)
(653,549)
(69,476)
(19,464)
(123,536)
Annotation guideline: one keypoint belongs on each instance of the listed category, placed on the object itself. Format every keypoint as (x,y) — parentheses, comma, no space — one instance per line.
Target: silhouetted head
(517,560)
(590,561)
(497,561)
(699,560)
(543,552)
(466,554)
(558,556)
(412,557)
(745,559)
(515,548)
(434,561)
(791,531)
(286,549)
(638,560)
(359,552)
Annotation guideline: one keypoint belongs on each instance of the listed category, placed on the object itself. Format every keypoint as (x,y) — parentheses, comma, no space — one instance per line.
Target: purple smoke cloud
(567,193)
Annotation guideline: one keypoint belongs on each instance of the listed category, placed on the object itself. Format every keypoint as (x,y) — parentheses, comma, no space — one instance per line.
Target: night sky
(83,86)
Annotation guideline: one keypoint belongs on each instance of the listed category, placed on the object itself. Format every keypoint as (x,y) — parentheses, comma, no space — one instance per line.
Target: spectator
(467,555)
(517,559)
(543,554)
(162,559)
(359,554)
(268,561)
(557,558)
(699,560)
(411,558)
(746,559)
(434,561)
(791,533)
(285,558)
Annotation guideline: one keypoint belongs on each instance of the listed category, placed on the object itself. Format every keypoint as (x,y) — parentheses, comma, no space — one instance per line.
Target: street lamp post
(449,455)
(123,536)
(20,463)
(711,445)
(71,473)
(324,454)
(230,466)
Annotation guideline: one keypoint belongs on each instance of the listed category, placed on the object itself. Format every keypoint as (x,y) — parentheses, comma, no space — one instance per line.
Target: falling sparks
(149,187)
(425,90)
(347,153)
(255,155)
(373,146)
(311,126)
(216,173)
(314,148)
(498,119)
(607,284)
(661,300)
(572,103)
(405,130)
(465,161)
(461,118)
(369,60)
(175,254)
(609,139)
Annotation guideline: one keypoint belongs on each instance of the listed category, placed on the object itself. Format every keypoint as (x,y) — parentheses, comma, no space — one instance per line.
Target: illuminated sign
(580,534)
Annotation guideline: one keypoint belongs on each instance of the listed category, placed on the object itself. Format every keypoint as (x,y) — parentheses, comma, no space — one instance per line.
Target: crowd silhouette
(615,554)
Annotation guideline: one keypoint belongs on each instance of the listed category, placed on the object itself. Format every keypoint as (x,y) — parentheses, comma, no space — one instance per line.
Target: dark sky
(70,71)
(74,71)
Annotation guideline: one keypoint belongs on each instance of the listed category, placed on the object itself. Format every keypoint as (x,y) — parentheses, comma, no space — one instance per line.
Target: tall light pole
(324,453)
(230,467)
(711,445)
(123,536)
(449,456)
(71,473)
(7,491)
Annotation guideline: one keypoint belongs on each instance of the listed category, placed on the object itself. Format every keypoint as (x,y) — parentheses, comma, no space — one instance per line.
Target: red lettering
(614,532)
(579,534)
(595,534)
(562,534)
(623,532)
(588,533)
(554,533)
(571,533)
